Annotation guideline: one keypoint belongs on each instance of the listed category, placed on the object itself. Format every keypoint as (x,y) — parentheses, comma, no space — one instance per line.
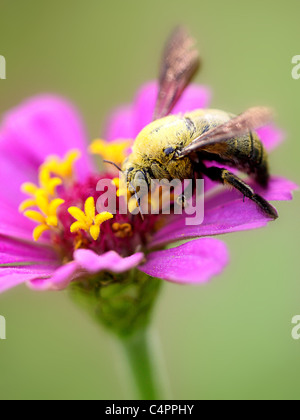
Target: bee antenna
(132,186)
(114,164)
(138,200)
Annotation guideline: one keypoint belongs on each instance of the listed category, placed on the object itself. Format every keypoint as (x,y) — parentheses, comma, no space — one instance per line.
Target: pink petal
(15,251)
(120,124)
(13,276)
(226,212)
(86,262)
(279,189)
(129,121)
(110,261)
(59,280)
(39,127)
(194,262)
(12,177)
(226,218)
(271,136)
(15,224)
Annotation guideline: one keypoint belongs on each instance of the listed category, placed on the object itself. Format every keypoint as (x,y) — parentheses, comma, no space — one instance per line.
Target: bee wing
(249,120)
(179,64)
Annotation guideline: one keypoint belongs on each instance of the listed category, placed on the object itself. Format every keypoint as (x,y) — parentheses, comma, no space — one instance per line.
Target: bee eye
(168,151)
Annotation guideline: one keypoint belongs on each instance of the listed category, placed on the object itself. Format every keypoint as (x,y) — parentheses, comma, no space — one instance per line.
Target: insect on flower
(55,234)
(177,146)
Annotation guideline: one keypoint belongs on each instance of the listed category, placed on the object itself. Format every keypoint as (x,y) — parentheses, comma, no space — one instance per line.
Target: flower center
(66,210)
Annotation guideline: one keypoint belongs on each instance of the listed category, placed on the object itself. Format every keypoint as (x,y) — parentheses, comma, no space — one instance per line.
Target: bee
(180,146)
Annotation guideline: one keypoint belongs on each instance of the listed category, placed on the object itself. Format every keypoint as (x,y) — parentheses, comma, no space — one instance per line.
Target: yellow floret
(114,151)
(87,220)
(46,217)
(63,168)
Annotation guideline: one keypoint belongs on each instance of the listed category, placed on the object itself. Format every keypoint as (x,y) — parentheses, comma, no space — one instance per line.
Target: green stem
(124,305)
(146,370)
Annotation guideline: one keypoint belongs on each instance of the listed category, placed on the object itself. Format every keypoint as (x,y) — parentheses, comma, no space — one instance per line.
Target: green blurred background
(230,339)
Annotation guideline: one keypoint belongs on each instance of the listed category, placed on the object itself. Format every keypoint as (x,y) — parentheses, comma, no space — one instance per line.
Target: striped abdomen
(245,153)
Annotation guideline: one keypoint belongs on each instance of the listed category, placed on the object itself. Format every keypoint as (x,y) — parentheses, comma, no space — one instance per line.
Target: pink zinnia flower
(74,242)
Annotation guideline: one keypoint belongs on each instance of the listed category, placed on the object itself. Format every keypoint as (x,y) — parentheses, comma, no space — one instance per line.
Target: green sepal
(123,303)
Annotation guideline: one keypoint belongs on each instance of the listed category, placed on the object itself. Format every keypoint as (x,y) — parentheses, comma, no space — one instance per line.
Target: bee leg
(228,178)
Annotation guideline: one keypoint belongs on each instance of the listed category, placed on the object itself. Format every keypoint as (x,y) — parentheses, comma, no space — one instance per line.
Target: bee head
(138,180)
